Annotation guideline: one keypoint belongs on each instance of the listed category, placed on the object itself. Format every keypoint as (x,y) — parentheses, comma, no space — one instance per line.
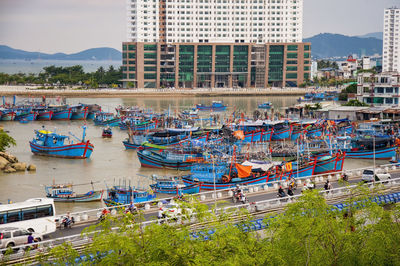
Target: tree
(355,103)
(6,141)
(308,232)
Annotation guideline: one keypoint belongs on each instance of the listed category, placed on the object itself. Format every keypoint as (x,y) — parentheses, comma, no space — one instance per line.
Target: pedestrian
(30,238)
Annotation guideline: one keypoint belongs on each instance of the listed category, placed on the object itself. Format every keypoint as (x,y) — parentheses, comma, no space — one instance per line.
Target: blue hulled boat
(51,144)
(62,113)
(169,159)
(79,112)
(122,195)
(172,186)
(65,193)
(265,105)
(215,106)
(31,116)
(44,115)
(106,119)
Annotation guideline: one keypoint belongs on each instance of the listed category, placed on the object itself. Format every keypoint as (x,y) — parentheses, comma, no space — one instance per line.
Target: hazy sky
(73,25)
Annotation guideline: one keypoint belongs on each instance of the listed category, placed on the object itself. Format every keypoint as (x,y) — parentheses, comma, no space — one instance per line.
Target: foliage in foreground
(308,233)
(6,141)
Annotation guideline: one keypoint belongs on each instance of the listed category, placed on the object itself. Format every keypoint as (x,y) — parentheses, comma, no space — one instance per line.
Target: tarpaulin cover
(243,171)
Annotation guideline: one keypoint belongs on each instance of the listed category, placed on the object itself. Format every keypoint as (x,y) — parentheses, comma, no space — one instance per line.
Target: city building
(349,67)
(219,43)
(391,40)
(379,89)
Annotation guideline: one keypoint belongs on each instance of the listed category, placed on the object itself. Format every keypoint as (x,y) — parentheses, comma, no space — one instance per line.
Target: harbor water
(110,163)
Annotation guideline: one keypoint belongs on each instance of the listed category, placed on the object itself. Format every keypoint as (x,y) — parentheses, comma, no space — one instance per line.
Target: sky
(69,26)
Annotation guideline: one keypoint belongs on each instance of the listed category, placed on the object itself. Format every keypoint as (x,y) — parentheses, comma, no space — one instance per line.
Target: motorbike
(281,195)
(66,222)
(239,197)
(345,177)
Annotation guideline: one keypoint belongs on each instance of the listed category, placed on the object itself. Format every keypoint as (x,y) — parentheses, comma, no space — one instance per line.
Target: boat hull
(45,116)
(281,134)
(219,185)
(130,146)
(28,117)
(152,160)
(8,117)
(79,115)
(88,197)
(380,154)
(112,122)
(331,165)
(192,189)
(62,115)
(73,151)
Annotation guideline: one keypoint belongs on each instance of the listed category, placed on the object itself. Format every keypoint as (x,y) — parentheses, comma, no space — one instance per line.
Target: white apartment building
(381,89)
(391,40)
(215,21)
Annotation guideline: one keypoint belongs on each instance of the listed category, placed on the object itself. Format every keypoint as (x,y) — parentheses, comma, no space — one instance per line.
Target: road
(252,197)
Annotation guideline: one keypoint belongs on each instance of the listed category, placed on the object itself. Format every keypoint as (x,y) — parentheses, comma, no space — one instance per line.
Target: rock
(19,166)
(31,167)
(3,162)
(9,157)
(9,169)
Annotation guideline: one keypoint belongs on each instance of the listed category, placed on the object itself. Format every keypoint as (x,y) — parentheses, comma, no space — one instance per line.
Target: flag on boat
(239,134)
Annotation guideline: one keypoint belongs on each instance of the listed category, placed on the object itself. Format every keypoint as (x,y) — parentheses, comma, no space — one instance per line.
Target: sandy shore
(104,93)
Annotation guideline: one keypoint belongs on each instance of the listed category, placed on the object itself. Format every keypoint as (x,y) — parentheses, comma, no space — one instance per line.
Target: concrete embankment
(30,91)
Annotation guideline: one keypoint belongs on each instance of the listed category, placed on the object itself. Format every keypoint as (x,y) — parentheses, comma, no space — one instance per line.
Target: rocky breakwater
(10,164)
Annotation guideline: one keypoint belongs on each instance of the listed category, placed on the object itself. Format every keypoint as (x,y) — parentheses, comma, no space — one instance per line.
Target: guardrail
(209,196)
(80,239)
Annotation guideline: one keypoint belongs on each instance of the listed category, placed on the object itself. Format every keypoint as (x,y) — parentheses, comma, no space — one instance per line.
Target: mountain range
(103,53)
(328,45)
(324,45)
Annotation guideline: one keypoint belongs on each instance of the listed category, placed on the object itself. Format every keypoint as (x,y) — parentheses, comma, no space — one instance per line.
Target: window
(149,76)
(28,213)
(13,216)
(291,75)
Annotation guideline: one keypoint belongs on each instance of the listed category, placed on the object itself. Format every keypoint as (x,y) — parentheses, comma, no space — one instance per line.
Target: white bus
(35,215)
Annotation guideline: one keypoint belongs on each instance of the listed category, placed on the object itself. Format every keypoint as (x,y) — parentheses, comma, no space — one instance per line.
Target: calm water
(110,162)
(13,66)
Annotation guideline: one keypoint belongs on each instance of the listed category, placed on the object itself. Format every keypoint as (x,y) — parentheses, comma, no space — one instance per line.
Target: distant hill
(103,53)
(327,45)
(376,35)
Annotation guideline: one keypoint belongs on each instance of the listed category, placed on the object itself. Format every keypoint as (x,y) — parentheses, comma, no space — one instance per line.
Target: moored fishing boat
(79,112)
(169,159)
(172,186)
(326,163)
(215,106)
(8,115)
(62,113)
(31,116)
(106,119)
(265,105)
(52,144)
(44,115)
(122,195)
(65,193)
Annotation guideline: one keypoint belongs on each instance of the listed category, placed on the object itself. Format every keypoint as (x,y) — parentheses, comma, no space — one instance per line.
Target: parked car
(369,175)
(12,236)
(173,210)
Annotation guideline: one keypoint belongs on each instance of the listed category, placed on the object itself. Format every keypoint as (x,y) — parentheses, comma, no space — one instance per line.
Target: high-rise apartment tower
(215,43)
(391,40)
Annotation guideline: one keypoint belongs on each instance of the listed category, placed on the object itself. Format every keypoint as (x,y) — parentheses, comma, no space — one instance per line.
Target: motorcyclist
(237,191)
(281,192)
(67,221)
(290,191)
(345,177)
(132,208)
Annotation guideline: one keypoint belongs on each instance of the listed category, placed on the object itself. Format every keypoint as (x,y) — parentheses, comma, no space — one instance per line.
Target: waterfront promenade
(198,92)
